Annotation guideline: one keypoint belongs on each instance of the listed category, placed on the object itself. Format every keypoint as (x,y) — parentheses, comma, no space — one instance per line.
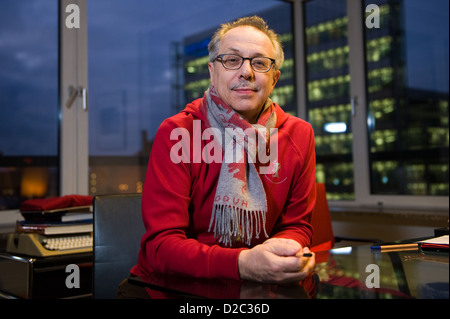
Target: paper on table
(438,243)
(441,240)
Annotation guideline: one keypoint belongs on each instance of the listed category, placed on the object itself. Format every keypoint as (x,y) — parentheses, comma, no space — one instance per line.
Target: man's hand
(277,260)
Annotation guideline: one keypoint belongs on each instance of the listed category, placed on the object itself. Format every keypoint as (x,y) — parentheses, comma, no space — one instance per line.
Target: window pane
(328,80)
(407,84)
(146,61)
(28,101)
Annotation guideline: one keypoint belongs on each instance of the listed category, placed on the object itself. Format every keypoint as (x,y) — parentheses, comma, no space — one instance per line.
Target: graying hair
(254,21)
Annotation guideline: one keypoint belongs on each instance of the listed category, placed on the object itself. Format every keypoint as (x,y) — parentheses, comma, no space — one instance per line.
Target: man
(220,219)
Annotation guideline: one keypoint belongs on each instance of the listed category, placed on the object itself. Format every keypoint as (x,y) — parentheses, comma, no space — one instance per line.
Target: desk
(344,273)
(43,277)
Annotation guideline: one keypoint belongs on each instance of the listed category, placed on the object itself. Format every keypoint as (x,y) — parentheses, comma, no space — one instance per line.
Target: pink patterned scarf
(240,204)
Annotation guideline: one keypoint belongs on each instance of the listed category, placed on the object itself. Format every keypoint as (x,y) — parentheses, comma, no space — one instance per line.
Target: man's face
(244,89)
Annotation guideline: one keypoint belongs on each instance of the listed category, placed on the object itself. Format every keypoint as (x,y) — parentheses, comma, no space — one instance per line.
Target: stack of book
(74,225)
(68,214)
(54,226)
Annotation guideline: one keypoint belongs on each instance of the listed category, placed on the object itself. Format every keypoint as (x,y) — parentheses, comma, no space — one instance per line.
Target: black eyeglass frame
(220,56)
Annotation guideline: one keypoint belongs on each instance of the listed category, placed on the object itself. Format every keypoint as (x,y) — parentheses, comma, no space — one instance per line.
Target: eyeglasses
(234,62)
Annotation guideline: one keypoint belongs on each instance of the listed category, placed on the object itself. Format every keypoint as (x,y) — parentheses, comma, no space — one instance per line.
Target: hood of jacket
(193,109)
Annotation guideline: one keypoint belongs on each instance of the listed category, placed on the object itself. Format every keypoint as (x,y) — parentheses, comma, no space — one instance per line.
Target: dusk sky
(130,66)
(130,61)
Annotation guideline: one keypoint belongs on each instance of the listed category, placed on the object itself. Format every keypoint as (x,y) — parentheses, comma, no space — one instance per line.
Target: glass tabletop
(343,273)
(361,272)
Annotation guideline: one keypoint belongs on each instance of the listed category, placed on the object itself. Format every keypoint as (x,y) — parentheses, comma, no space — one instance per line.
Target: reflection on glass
(328,94)
(29,160)
(408,98)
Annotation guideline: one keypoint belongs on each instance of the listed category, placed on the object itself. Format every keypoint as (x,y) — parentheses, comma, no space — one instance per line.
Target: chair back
(118,229)
(323,237)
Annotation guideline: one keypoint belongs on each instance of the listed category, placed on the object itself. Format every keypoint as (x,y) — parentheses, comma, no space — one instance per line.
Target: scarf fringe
(233,224)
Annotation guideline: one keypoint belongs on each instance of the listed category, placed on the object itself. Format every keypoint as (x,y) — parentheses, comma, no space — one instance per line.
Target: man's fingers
(296,263)
(293,270)
(290,264)
(282,246)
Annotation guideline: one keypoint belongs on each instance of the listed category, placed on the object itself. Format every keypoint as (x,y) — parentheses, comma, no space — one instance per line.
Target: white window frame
(74,142)
(74,121)
(363,197)
(73,125)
